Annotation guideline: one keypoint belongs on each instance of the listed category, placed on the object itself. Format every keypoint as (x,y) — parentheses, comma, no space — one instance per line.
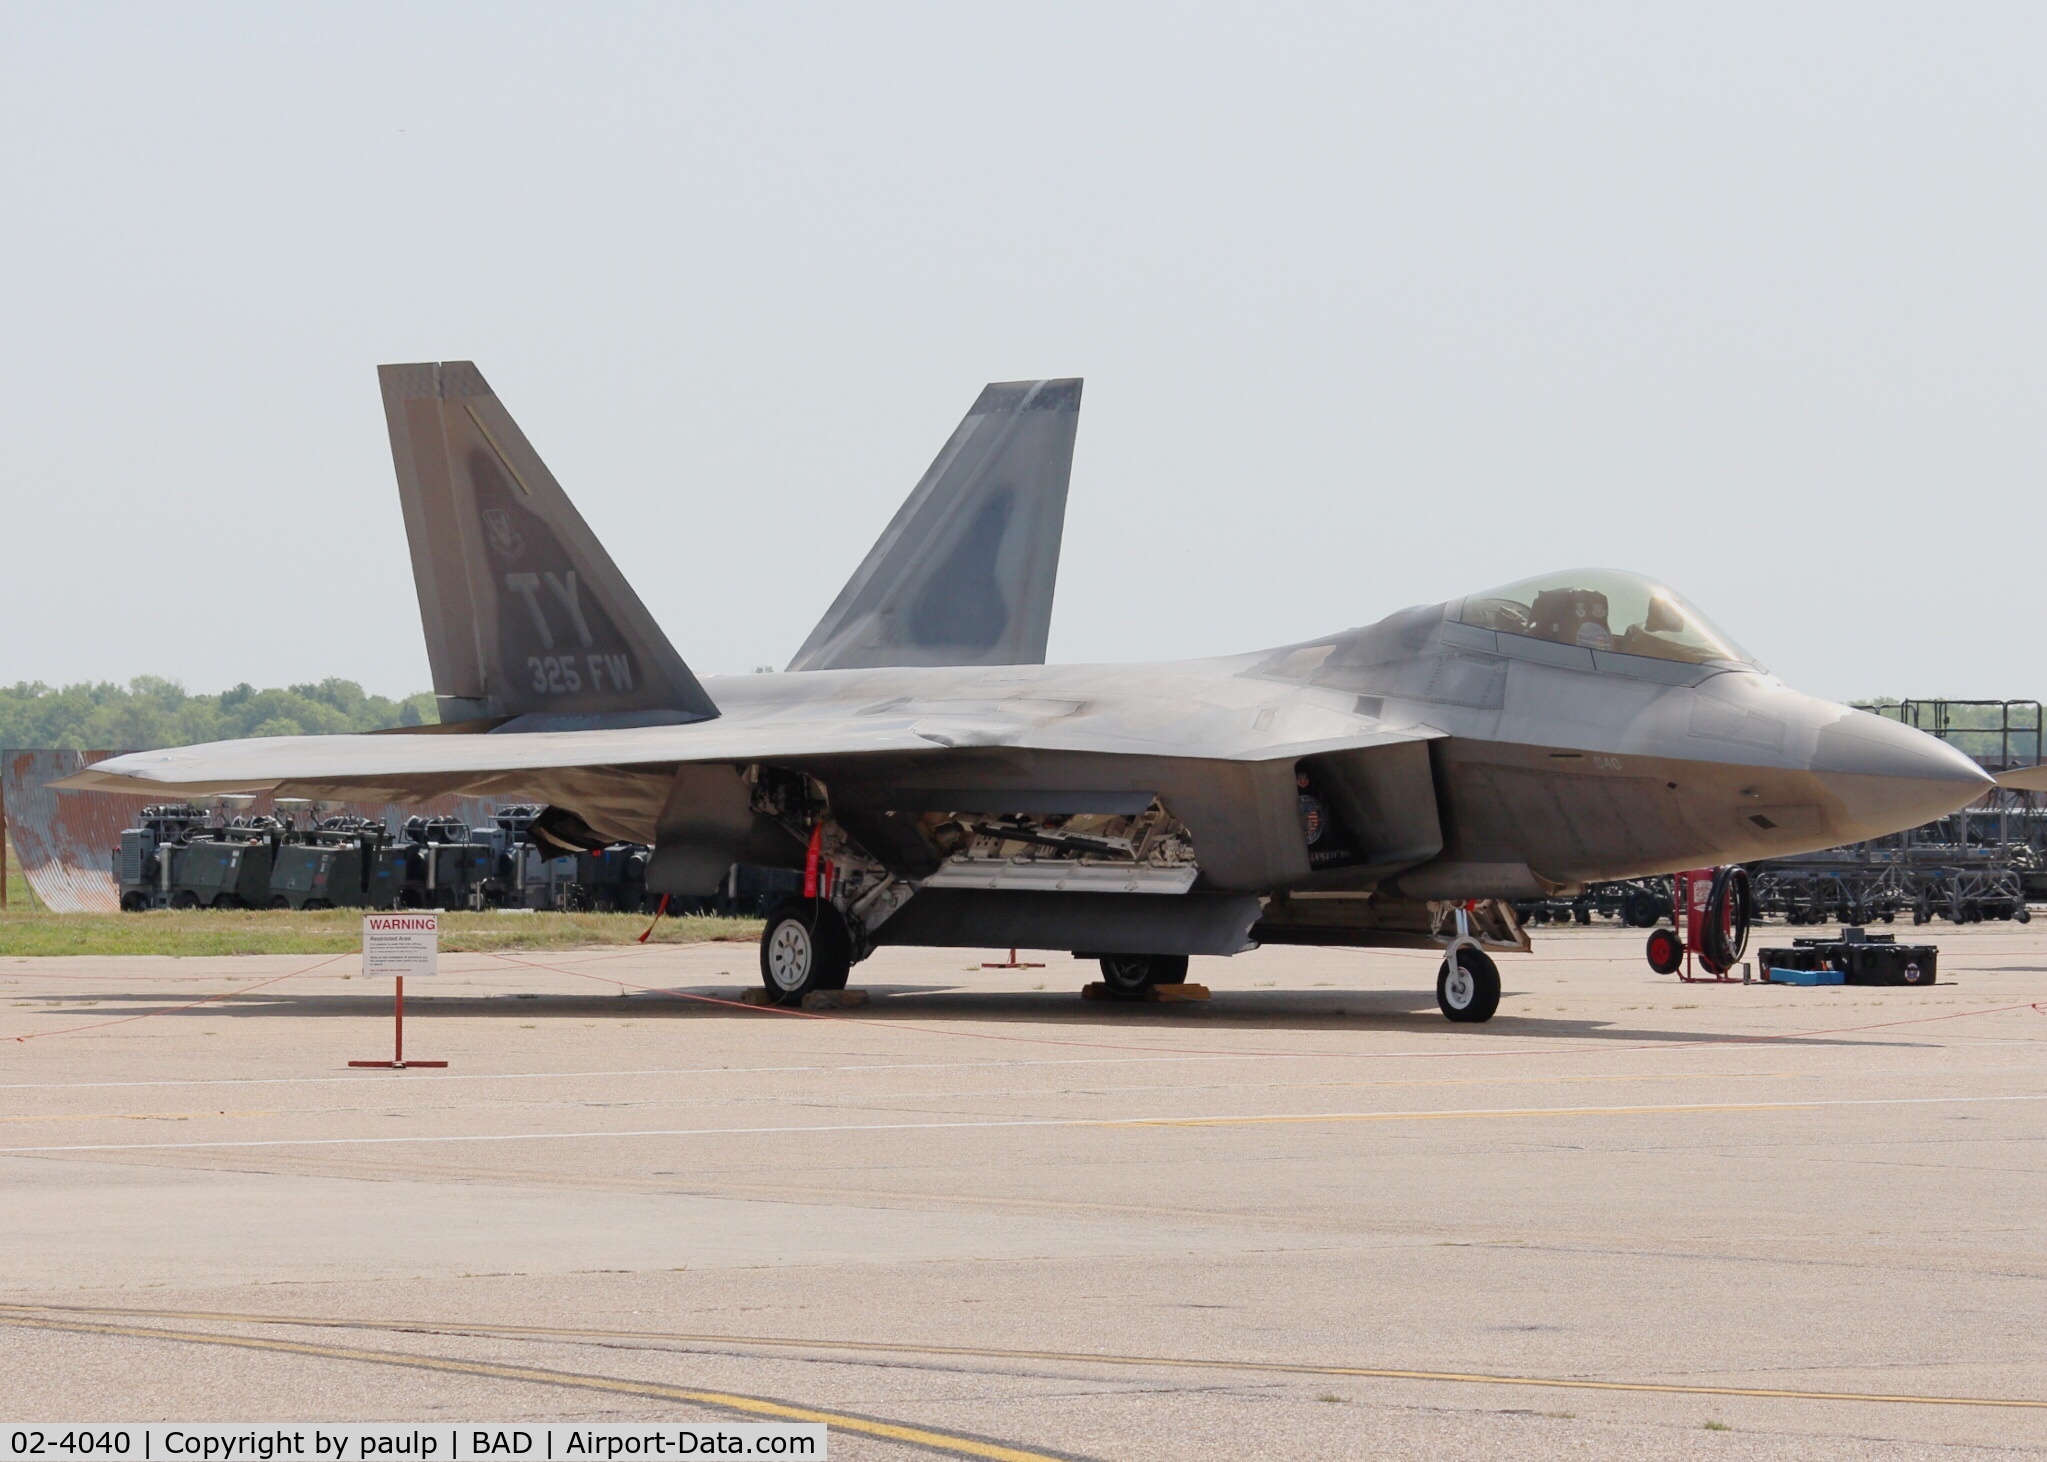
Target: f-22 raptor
(938,784)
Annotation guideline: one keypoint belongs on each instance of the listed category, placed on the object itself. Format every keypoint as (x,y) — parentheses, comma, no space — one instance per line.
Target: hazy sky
(1376,304)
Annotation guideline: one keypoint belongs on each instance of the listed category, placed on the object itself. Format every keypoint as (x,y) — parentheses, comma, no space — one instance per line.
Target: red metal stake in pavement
(395,944)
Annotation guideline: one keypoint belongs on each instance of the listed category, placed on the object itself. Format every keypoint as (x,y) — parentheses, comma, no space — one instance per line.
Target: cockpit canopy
(1602,609)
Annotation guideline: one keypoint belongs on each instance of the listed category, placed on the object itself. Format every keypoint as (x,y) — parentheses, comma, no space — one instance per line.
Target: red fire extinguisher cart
(1712,909)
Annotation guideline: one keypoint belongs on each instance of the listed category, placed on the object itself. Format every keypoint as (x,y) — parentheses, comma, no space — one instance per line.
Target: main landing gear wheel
(1666,952)
(804,947)
(1471,991)
(1129,976)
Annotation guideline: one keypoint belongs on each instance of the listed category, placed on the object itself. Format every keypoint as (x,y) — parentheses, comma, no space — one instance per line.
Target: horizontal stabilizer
(525,613)
(964,573)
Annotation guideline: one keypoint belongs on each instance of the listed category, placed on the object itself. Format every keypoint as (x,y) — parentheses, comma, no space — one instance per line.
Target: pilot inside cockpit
(1603,610)
(1571,617)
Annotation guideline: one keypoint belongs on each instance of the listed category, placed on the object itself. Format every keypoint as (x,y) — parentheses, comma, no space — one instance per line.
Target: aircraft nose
(1891,777)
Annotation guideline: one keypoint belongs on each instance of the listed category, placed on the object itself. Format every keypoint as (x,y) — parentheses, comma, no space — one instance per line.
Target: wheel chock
(1157,994)
(833,999)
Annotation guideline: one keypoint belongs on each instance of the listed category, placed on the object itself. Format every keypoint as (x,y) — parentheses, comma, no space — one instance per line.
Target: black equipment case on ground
(1866,959)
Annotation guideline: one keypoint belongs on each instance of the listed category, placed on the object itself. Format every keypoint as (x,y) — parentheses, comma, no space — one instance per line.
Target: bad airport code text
(468,1442)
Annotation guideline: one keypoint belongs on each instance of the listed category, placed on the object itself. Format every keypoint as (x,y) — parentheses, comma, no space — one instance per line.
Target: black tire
(2021,913)
(1130,976)
(184,898)
(134,901)
(1583,914)
(279,901)
(1638,909)
(804,947)
(1475,995)
(1666,951)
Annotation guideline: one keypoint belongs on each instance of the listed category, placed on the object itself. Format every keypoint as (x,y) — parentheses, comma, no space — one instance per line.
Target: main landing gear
(1131,976)
(804,947)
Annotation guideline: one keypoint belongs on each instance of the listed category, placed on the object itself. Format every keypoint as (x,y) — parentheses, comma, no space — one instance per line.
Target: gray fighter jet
(938,784)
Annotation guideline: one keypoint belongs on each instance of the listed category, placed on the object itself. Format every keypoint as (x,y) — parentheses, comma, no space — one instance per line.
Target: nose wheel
(1468,986)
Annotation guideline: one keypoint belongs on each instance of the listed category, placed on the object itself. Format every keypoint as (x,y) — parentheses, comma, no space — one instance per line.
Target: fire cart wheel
(1470,992)
(1129,976)
(1666,951)
(804,947)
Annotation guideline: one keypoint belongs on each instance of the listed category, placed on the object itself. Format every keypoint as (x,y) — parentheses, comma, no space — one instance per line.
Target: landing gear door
(1371,812)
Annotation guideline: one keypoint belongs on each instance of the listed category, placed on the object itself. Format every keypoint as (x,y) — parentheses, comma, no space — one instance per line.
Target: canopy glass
(1604,609)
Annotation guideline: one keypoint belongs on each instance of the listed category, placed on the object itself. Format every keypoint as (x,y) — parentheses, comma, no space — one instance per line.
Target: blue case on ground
(1807,977)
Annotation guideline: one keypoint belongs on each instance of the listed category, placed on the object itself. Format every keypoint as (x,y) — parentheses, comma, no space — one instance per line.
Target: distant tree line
(150,712)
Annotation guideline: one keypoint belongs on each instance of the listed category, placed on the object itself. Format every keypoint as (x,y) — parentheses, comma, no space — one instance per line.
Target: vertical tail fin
(525,613)
(965,571)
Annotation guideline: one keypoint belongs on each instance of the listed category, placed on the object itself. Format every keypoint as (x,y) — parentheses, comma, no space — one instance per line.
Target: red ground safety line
(175,1009)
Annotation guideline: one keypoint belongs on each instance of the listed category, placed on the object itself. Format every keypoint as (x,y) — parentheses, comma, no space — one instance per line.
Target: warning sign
(401,944)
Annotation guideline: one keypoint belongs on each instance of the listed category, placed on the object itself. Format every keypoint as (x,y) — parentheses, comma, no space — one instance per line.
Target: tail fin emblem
(504,538)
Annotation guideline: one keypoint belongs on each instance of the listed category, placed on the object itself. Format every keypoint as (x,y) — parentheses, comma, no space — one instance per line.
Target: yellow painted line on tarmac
(945,1442)
(28,1314)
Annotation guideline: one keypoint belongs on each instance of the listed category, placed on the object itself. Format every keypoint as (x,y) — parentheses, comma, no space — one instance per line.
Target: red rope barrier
(176,1009)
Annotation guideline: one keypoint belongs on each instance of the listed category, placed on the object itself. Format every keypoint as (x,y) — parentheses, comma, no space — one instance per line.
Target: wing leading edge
(1214,733)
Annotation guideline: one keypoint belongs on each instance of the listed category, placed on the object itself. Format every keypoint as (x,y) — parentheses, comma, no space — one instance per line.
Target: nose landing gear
(1468,985)
(1468,982)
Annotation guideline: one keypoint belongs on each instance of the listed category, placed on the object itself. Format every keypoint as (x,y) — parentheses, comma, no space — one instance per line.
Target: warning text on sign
(401,944)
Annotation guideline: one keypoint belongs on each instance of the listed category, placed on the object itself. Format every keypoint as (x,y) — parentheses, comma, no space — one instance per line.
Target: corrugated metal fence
(66,841)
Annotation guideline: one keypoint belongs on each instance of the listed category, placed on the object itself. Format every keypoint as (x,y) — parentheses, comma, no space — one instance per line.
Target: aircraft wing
(2024,779)
(448,762)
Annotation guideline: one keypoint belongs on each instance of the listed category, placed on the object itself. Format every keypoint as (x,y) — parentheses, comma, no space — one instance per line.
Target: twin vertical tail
(964,573)
(525,613)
